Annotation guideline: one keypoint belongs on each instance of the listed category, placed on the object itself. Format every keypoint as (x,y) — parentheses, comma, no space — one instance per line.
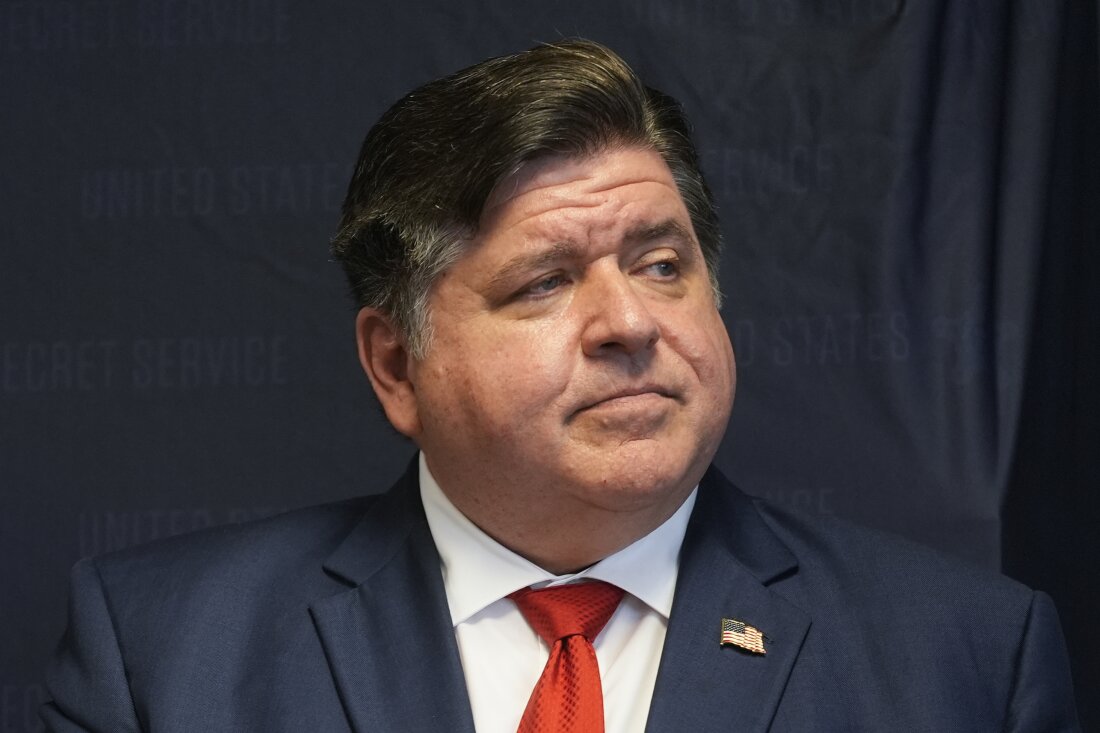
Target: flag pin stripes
(739,634)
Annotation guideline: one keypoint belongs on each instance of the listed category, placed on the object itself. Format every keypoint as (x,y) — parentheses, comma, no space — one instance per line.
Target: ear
(384,355)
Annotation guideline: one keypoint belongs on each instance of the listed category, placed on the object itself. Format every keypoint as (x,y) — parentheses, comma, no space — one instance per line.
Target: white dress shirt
(502,656)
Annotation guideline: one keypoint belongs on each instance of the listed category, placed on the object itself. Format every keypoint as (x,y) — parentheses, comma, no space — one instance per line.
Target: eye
(546,285)
(664,269)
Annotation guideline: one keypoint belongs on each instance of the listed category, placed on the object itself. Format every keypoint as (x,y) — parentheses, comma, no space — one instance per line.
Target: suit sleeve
(86,676)
(1042,697)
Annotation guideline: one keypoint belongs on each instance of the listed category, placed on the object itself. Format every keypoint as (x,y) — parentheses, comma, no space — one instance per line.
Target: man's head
(578,377)
(428,166)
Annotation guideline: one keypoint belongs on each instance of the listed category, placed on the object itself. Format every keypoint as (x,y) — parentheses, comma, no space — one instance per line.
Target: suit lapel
(729,559)
(388,637)
(391,649)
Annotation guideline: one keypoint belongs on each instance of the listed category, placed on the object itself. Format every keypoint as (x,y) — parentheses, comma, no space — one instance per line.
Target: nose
(618,319)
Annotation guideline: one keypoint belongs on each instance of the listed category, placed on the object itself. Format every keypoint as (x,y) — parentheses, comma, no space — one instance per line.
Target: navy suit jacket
(334,618)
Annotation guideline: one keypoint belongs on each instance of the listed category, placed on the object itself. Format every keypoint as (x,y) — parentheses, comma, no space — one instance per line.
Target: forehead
(620,184)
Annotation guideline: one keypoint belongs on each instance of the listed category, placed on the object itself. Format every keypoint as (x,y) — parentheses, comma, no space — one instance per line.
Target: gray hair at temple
(429,164)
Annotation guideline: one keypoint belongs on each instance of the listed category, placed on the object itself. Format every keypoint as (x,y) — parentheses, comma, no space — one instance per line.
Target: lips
(627,395)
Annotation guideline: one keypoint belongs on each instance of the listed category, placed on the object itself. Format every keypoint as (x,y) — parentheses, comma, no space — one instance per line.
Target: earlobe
(384,355)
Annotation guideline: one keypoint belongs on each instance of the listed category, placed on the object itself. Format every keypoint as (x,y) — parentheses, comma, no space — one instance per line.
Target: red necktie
(568,696)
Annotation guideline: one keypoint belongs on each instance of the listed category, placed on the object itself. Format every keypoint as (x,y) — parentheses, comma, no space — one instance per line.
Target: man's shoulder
(898,632)
(266,552)
(841,562)
(827,555)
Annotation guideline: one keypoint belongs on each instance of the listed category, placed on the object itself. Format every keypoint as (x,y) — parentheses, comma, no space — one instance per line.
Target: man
(535,256)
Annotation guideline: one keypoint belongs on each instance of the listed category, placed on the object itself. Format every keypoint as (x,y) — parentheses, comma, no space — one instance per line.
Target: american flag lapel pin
(739,634)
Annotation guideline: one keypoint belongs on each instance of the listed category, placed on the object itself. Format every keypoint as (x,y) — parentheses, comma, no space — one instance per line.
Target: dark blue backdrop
(908,193)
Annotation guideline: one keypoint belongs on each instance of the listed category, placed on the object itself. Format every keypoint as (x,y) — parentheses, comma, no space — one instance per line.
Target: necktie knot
(568,697)
(562,611)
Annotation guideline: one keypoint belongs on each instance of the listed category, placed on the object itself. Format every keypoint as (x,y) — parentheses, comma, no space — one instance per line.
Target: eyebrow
(567,250)
(556,253)
(667,229)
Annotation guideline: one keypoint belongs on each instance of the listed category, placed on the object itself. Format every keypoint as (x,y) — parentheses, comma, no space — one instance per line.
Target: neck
(566,539)
(557,524)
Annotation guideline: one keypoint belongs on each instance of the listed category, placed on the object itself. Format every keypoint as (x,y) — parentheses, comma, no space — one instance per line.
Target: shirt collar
(478,570)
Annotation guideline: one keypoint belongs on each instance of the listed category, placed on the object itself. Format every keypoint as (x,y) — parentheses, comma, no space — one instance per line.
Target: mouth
(629,397)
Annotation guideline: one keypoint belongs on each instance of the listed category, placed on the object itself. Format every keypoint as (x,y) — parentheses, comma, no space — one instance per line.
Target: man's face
(578,358)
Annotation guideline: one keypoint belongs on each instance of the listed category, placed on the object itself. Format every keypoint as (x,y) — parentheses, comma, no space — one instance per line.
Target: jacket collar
(393,656)
(732,565)
(387,636)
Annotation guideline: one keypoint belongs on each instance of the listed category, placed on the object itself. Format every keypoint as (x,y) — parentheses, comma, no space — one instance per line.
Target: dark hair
(429,164)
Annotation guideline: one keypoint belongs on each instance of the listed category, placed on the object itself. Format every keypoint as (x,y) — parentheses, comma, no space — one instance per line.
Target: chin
(640,484)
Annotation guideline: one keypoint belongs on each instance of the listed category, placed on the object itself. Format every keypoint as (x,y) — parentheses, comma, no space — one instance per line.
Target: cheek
(701,338)
(535,366)
(706,350)
(725,368)
(503,375)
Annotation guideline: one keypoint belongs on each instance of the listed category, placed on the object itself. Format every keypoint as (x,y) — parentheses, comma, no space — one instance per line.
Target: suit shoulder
(847,558)
(246,552)
(904,637)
